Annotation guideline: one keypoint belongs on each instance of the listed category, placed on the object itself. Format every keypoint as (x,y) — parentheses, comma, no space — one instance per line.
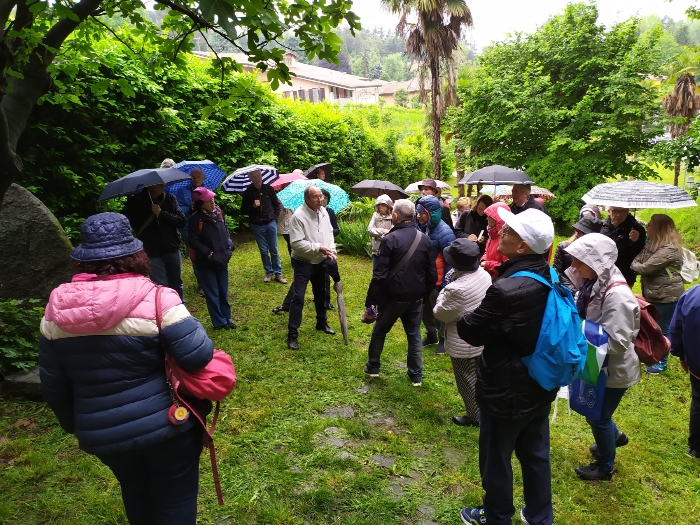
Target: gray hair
(405,209)
(307,190)
(526,187)
(167,163)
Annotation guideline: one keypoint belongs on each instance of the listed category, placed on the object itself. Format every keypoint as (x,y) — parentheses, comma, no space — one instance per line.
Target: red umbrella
(286,179)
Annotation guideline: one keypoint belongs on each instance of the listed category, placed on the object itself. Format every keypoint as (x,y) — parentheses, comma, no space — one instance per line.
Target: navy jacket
(102,366)
(685,329)
(213,237)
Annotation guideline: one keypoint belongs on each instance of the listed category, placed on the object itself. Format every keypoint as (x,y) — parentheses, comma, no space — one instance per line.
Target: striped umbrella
(636,194)
(293,195)
(213,174)
(239,180)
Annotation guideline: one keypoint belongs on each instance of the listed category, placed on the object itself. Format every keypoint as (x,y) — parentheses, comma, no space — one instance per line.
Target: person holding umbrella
(156,219)
(522,200)
(473,224)
(336,231)
(212,244)
(629,237)
(263,207)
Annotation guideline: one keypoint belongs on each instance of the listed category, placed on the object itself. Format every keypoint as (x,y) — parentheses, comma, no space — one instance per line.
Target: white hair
(167,163)
(404,208)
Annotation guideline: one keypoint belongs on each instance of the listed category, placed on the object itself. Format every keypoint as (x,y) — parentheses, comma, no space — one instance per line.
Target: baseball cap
(533,226)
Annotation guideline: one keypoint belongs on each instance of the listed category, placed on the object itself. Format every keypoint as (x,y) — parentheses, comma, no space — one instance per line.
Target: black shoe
(464,421)
(231,326)
(593,472)
(329,306)
(325,329)
(692,453)
(430,339)
(620,441)
(200,292)
(292,344)
(278,309)
(441,346)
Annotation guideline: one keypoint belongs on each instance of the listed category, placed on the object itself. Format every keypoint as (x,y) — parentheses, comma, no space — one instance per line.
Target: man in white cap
(514,408)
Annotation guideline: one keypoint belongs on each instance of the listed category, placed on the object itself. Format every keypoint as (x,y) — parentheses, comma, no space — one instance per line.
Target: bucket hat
(588,225)
(106,236)
(462,255)
(202,194)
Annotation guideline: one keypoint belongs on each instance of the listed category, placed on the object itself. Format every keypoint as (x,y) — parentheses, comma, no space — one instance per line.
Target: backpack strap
(611,286)
(534,276)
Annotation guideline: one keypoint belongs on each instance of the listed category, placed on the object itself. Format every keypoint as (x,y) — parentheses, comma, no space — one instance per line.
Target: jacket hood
(596,251)
(89,305)
(434,207)
(383,199)
(492,211)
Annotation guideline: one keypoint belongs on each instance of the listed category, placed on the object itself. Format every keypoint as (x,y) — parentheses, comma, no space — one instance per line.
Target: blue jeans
(214,283)
(410,315)
(266,237)
(604,429)
(166,270)
(528,437)
(666,310)
(160,483)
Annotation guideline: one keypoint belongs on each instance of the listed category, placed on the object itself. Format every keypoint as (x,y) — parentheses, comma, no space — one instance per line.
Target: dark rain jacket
(626,249)
(161,236)
(507,324)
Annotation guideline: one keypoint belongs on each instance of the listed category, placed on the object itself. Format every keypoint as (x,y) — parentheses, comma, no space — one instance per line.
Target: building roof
(412,86)
(308,72)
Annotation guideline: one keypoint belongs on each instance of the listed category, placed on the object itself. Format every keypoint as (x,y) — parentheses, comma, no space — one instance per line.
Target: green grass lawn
(299,438)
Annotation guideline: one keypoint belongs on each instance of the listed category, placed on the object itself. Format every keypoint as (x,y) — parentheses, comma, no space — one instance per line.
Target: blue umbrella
(136,181)
(293,195)
(213,174)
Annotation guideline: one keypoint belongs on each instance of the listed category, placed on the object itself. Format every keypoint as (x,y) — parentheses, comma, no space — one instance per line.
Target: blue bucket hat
(106,236)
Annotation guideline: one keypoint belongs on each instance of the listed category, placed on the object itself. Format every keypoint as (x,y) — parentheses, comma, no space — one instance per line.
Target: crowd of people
(458,274)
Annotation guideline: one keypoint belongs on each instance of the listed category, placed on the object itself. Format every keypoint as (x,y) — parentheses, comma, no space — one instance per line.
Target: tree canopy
(38,34)
(567,103)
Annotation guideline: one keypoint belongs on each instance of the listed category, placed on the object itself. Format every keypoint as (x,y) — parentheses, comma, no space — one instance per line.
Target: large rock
(34,249)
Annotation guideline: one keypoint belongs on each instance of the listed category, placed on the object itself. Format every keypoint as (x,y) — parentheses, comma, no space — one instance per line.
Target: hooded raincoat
(615,309)
(379,225)
(440,233)
(492,258)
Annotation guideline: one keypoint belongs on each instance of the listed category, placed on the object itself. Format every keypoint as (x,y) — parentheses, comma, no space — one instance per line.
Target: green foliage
(360,210)
(19,334)
(353,238)
(566,103)
(401,97)
(187,112)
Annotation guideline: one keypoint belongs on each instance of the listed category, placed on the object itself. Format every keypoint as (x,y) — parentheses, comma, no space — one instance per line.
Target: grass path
(308,438)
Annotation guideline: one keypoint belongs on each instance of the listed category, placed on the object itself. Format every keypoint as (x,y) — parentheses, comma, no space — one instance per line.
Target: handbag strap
(407,256)
(207,439)
(145,225)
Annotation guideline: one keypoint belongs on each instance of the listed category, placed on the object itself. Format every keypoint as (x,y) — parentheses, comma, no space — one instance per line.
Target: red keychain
(178,414)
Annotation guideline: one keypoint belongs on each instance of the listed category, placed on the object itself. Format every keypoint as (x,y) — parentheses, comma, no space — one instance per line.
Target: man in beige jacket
(311,237)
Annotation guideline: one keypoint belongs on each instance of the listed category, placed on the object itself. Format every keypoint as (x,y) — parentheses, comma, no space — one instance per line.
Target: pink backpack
(213,382)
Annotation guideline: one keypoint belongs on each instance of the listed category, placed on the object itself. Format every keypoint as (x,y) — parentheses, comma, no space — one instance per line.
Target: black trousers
(303,273)
(529,438)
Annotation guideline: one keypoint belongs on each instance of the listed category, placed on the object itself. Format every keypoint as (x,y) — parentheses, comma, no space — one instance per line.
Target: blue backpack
(560,354)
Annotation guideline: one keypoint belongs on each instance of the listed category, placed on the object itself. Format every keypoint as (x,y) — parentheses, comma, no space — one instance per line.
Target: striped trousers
(465,375)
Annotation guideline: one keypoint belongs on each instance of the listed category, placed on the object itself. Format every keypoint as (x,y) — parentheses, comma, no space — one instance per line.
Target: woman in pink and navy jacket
(103,374)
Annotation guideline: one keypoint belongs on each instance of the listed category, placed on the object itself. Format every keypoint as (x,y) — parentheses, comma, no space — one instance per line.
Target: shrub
(353,238)
(19,334)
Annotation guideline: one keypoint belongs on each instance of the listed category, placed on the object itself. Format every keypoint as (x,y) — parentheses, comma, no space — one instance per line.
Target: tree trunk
(434,93)
(676,172)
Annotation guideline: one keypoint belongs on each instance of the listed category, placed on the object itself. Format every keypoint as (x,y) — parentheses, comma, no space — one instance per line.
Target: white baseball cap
(533,226)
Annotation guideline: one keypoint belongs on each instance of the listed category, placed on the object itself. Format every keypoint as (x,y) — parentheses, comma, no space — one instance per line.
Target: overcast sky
(494,18)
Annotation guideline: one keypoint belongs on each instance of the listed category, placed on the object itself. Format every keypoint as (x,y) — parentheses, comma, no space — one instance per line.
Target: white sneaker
(419,383)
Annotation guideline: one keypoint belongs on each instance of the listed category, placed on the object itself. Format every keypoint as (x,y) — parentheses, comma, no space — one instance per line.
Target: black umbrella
(312,172)
(138,180)
(497,174)
(375,188)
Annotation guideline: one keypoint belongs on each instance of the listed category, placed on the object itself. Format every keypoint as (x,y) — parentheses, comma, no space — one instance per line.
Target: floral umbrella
(293,195)
(504,193)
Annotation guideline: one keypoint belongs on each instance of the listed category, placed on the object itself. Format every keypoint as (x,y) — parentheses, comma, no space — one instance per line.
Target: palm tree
(431,40)
(683,102)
